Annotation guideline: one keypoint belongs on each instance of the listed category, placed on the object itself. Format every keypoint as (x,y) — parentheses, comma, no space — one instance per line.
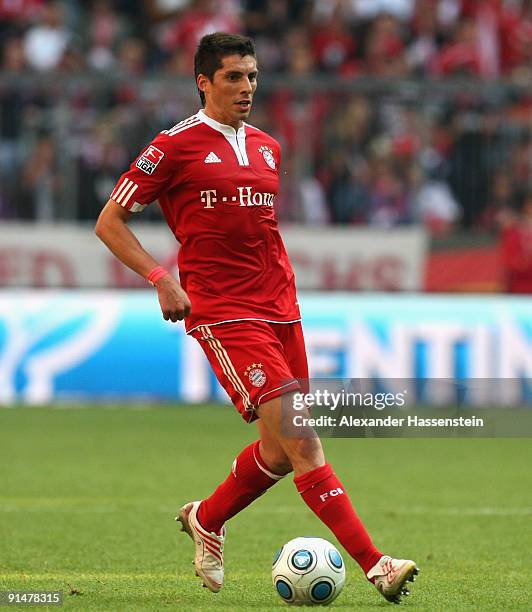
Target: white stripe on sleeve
(119,188)
(127,194)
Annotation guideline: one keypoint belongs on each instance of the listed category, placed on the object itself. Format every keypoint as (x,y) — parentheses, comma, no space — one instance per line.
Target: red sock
(249,479)
(324,494)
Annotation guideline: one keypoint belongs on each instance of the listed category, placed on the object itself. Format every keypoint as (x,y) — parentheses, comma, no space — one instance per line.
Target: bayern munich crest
(255,374)
(267,153)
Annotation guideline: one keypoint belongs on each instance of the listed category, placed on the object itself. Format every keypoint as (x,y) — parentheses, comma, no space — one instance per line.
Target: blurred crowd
(348,37)
(452,158)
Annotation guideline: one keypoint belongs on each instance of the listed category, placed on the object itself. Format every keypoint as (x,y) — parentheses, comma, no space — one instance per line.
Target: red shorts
(255,361)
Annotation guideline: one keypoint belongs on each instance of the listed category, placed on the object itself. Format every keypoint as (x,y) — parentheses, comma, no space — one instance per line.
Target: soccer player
(216,178)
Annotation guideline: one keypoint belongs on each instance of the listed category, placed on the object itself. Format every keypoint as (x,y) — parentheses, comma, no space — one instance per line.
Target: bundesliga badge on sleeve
(149,160)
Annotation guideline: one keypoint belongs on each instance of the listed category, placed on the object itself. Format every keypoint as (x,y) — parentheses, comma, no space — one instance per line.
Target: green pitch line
(88,496)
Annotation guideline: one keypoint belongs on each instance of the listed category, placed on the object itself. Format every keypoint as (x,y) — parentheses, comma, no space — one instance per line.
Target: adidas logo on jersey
(212,158)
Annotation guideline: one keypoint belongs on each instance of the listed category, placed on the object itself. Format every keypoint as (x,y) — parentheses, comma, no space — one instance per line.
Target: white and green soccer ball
(308,571)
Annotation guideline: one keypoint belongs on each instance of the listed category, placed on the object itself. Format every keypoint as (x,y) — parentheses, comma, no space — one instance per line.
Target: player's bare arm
(113,230)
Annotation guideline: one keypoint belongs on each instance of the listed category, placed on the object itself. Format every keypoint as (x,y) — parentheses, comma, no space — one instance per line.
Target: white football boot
(209,558)
(391,575)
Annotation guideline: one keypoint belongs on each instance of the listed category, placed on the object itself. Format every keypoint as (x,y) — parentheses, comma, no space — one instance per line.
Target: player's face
(229,96)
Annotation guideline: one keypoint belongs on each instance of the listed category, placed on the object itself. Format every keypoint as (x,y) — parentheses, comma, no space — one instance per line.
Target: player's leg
(231,349)
(314,478)
(204,520)
(258,467)
(272,452)
(326,496)
(320,487)
(263,463)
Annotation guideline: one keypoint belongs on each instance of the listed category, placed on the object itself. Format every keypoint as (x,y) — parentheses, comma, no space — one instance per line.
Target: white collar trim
(236,138)
(226,130)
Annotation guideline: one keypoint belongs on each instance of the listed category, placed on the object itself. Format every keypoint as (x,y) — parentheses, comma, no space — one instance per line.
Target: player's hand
(175,304)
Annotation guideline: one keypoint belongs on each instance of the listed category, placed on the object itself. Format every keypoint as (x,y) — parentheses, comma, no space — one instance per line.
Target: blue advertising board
(114,346)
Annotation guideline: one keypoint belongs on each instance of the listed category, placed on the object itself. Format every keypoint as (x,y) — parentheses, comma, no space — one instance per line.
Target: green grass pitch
(88,497)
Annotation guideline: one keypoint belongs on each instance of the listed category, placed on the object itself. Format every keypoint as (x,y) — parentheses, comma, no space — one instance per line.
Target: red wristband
(156,274)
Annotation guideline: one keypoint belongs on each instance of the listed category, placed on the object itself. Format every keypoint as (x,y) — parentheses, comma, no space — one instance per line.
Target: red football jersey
(216,187)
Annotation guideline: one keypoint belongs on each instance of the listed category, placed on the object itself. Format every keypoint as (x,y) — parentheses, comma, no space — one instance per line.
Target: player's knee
(307,451)
(282,466)
(276,461)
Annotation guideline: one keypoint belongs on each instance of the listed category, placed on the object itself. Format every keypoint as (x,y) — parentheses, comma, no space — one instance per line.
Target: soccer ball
(308,571)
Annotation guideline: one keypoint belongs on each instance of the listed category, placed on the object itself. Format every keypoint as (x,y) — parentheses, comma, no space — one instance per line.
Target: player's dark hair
(213,48)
